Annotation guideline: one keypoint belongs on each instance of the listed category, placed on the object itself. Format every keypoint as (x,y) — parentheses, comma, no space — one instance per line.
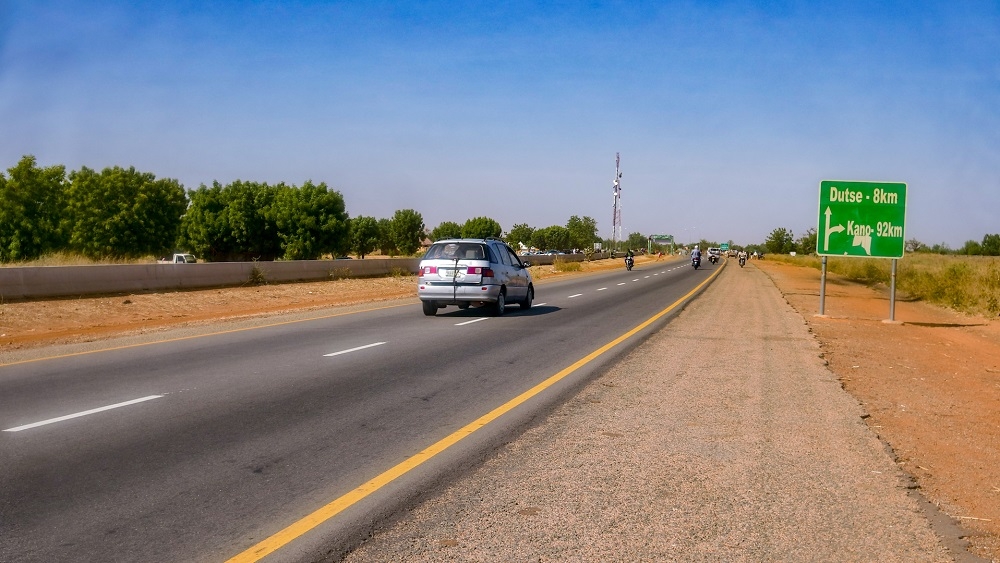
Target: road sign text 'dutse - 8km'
(861,219)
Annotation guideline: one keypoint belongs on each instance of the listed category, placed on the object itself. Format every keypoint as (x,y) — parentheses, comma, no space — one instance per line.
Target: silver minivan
(480,272)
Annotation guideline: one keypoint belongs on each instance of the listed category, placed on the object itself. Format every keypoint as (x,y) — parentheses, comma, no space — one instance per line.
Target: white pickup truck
(179,259)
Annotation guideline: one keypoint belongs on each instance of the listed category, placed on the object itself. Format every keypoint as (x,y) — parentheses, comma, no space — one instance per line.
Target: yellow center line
(324,513)
(218,333)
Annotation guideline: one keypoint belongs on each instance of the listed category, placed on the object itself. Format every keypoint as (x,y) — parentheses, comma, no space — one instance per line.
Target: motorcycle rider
(696,255)
(629,258)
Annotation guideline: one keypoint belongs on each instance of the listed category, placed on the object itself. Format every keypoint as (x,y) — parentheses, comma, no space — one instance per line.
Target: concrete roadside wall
(62,281)
(65,281)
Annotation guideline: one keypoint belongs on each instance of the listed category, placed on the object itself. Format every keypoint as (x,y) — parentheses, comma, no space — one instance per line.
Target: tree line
(782,241)
(124,213)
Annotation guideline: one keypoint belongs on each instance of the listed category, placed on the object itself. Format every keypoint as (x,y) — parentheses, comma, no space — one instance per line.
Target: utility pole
(616,219)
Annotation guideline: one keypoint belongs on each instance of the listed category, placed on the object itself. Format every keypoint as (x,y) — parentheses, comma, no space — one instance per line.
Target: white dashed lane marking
(576,295)
(83,413)
(354,349)
(472,321)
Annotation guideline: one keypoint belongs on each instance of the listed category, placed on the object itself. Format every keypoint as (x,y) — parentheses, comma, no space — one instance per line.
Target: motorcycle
(696,262)
(629,262)
(743,261)
(713,259)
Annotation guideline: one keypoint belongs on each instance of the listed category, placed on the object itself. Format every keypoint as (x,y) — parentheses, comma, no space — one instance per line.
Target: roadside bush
(561,265)
(340,273)
(256,276)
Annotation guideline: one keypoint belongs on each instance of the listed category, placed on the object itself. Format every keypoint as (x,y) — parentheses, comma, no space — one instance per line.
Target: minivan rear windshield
(456,251)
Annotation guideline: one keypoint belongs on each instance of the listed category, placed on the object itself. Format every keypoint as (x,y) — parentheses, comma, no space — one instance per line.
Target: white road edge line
(84,413)
(472,321)
(576,295)
(354,349)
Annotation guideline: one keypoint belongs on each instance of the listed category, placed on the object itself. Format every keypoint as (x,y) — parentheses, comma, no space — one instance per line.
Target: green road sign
(861,219)
(724,246)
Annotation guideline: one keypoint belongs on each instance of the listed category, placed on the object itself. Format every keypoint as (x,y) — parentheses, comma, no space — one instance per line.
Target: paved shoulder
(723,437)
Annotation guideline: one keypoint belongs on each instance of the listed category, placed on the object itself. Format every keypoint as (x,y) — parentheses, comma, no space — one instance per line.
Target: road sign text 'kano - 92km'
(861,219)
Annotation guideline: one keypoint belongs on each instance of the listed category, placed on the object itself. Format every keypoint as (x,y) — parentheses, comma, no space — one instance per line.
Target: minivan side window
(503,255)
(514,260)
(492,255)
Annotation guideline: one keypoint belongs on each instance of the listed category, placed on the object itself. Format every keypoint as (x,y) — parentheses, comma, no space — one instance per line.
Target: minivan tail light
(430,270)
(486,272)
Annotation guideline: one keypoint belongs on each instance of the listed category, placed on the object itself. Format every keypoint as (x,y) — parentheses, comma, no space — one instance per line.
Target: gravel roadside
(722,437)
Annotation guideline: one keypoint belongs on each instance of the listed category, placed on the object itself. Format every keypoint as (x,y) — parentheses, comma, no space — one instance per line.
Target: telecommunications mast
(616,221)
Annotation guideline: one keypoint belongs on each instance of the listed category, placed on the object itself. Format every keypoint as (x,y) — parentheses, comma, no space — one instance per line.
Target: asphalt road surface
(197,448)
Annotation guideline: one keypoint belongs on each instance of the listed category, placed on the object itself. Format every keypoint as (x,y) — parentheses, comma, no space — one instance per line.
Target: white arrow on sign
(830,230)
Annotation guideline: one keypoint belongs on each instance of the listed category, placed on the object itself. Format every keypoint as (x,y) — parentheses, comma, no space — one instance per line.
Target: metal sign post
(861,219)
(822,290)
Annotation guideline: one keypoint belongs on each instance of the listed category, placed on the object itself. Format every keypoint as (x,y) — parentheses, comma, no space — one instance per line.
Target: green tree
(205,227)
(538,239)
(941,248)
(520,233)
(481,227)
(806,243)
(252,226)
(635,241)
(233,222)
(311,221)
(914,245)
(386,240)
(582,232)
(242,221)
(555,237)
(779,241)
(991,245)
(364,235)
(123,212)
(407,229)
(32,211)
(447,229)
(971,248)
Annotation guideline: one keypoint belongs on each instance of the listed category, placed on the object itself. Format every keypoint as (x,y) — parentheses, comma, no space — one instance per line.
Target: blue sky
(727,115)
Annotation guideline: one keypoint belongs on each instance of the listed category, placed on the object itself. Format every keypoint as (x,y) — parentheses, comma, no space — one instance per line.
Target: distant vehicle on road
(180,259)
(714,254)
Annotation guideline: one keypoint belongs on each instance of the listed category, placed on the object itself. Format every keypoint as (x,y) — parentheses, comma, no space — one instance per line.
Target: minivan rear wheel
(430,308)
(500,306)
(526,304)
